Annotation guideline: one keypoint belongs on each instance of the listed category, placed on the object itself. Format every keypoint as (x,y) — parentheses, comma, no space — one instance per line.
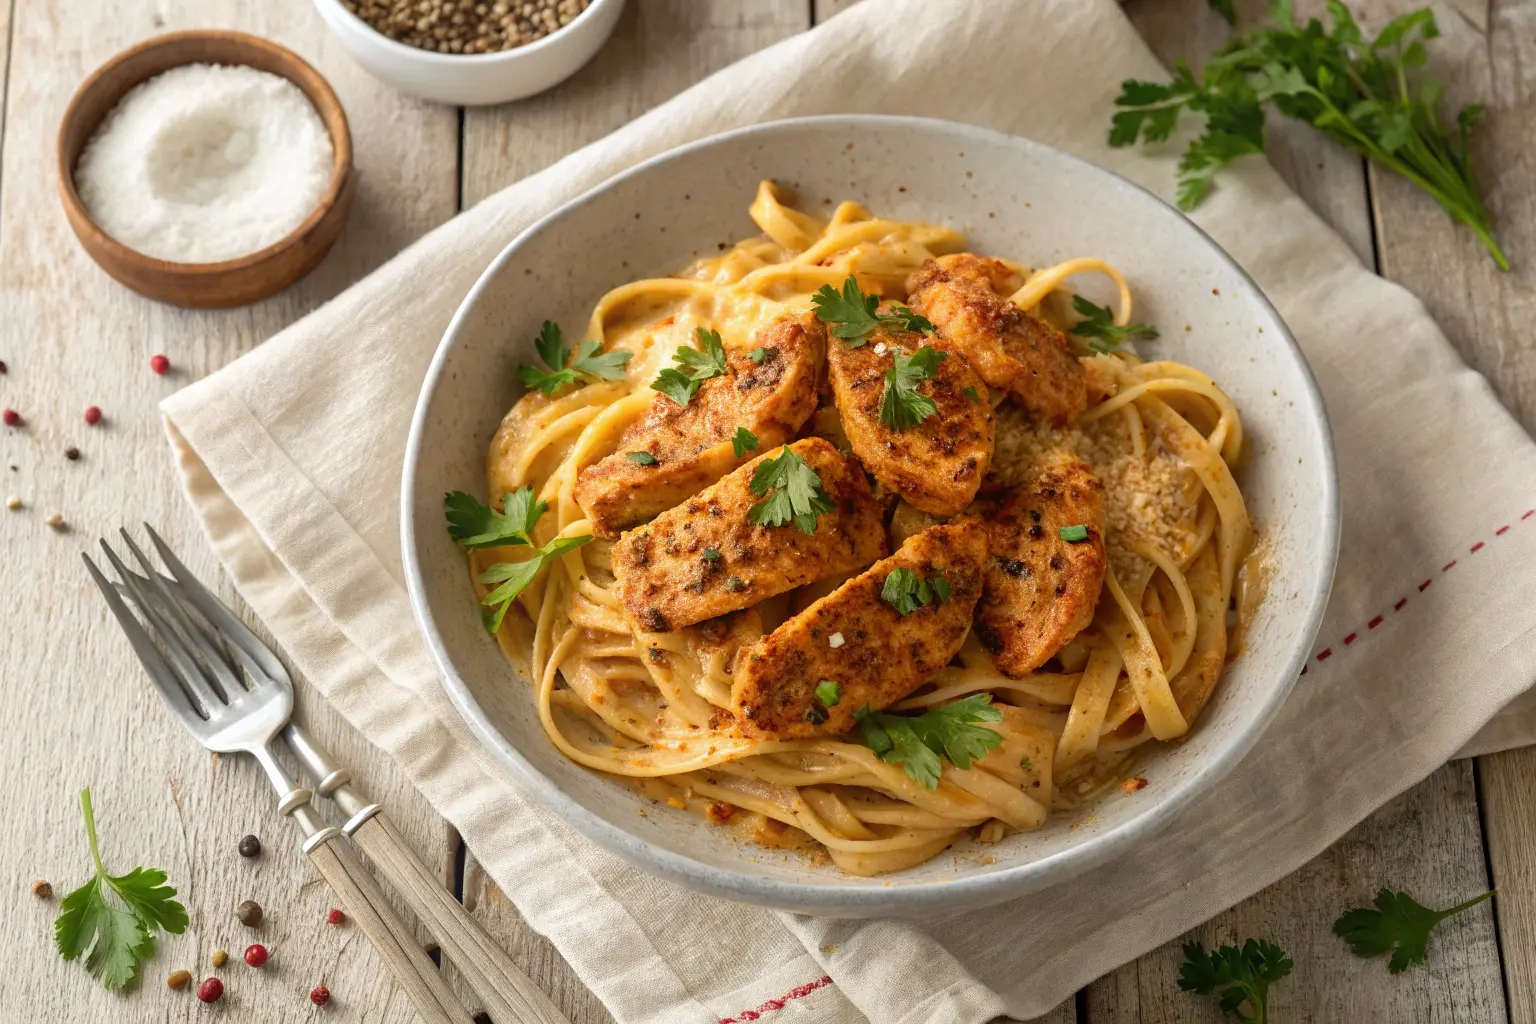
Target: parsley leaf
(473,525)
(562,366)
(1398,924)
(118,929)
(902,407)
(1243,975)
(1357,91)
(917,742)
(641,458)
(1098,326)
(759,355)
(694,367)
(791,490)
(970,393)
(829,693)
(514,577)
(1073,534)
(854,313)
(905,592)
(744,441)
(712,555)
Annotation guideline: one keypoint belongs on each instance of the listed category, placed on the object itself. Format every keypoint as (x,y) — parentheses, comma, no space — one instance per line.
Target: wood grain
(72,338)
(1509,815)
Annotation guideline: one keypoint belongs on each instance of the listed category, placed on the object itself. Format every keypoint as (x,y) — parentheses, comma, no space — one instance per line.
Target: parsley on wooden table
(694,366)
(905,591)
(1357,91)
(1098,327)
(1242,976)
(902,406)
(854,314)
(744,441)
(917,742)
(473,525)
(115,916)
(563,366)
(1399,923)
(791,491)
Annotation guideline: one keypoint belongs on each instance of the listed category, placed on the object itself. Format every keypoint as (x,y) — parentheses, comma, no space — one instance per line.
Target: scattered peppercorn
(56,521)
(218,959)
(12,418)
(249,913)
(160,365)
(250,846)
(256,954)
(211,990)
(178,979)
(42,890)
(335,917)
(72,453)
(319,995)
(92,415)
(13,503)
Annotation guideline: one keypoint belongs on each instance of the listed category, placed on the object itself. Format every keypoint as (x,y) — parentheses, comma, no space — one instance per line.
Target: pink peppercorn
(256,954)
(319,995)
(12,418)
(160,365)
(93,415)
(335,917)
(211,990)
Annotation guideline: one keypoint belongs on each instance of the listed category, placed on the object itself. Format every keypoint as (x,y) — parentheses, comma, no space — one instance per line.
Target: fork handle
(509,995)
(407,962)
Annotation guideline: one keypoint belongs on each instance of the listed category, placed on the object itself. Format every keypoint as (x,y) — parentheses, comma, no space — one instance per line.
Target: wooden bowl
(227,283)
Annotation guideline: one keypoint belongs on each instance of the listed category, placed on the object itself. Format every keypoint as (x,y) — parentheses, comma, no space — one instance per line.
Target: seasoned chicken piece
(1041,588)
(875,654)
(705,557)
(692,444)
(936,465)
(1012,350)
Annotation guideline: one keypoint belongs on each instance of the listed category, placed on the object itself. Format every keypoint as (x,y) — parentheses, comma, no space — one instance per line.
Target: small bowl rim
(470,59)
(341,160)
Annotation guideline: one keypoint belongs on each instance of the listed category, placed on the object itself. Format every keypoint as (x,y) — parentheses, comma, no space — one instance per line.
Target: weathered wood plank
(73,338)
(1509,815)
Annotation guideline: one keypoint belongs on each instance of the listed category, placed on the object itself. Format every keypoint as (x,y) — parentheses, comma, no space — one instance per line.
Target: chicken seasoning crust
(861,543)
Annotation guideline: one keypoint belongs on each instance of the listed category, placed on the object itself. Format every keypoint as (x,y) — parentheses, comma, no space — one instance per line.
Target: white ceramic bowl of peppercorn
(471,52)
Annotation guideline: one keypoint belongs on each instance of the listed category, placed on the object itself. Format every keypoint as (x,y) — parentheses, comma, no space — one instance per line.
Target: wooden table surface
(77,712)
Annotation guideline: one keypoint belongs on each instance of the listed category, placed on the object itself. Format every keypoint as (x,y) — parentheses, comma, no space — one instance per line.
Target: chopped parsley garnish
(758,355)
(1399,923)
(901,406)
(118,930)
(791,491)
(514,577)
(562,366)
(970,393)
(641,458)
(1098,327)
(854,313)
(744,441)
(1073,534)
(473,525)
(917,742)
(906,592)
(829,693)
(1242,976)
(712,555)
(694,367)
(1026,764)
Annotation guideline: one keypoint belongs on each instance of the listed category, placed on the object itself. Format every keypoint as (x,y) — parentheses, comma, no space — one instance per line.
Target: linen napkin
(291,457)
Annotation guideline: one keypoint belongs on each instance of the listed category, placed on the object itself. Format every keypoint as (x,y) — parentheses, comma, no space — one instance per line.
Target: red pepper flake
(160,365)
(211,990)
(319,995)
(12,418)
(1134,783)
(335,917)
(256,954)
(92,415)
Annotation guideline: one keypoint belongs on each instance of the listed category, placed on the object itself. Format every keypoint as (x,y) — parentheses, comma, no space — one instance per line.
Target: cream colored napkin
(292,458)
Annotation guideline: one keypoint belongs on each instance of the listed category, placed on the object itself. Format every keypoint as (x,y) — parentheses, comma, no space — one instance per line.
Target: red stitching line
(1327,652)
(798,992)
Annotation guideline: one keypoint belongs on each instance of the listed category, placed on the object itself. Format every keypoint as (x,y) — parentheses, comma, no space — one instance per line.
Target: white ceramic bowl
(1026,201)
(475,79)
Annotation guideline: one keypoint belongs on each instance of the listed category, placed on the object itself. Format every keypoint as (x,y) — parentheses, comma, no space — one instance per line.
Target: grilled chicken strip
(1040,588)
(937,465)
(704,557)
(853,637)
(964,296)
(692,444)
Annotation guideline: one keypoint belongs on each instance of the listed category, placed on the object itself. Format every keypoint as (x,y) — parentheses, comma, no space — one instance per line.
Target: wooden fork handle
(406,961)
(509,995)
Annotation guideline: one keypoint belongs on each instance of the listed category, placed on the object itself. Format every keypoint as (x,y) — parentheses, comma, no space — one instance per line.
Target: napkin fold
(291,458)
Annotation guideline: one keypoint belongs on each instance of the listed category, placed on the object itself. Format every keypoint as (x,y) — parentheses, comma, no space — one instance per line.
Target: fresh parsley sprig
(513,577)
(1355,90)
(854,313)
(1399,923)
(743,441)
(114,916)
(902,406)
(473,525)
(905,591)
(917,742)
(694,367)
(791,491)
(1098,327)
(1242,976)
(563,366)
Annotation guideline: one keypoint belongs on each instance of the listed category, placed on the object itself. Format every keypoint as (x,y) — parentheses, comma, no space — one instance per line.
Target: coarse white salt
(835,640)
(205,163)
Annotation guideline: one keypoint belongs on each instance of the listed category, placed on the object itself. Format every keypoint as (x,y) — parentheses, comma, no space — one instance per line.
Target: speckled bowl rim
(829,898)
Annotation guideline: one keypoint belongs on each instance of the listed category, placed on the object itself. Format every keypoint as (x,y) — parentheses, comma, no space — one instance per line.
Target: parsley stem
(1468,905)
(90,829)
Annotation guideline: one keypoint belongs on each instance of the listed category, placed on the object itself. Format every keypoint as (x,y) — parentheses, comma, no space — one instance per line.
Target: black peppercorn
(249,913)
(71,453)
(250,846)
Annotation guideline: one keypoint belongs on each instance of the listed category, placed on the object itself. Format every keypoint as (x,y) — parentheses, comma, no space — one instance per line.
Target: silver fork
(235,696)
